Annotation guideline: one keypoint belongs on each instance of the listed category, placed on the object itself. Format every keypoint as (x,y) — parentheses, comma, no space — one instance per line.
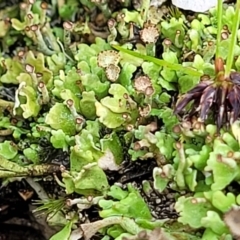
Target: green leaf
(140,154)
(68,183)
(195,39)
(165,98)
(60,117)
(113,104)
(160,180)
(169,75)
(223,202)
(56,62)
(38,62)
(4,26)
(129,59)
(92,179)
(224,48)
(14,68)
(117,90)
(132,206)
(66,11)
(31,154)
(215,223)
(84,53)
(87,105)
(198,62)
(223,172)
(165,143)
(192,210)
(107,117)
(209,234)
(87,148)
(115,231)
(167,116)
(117,193)
(96,70)
(132,16)
(69,82)
(125,77)
(66,94)
(8,150)
(187,82)
(151,69)
(169,29)
(111,110)
(167,85)
(130,225)
(191,178)
(200,159)
(64,234)
(80,157)
(100,45)
(59,139)
(31,108)
(92,82)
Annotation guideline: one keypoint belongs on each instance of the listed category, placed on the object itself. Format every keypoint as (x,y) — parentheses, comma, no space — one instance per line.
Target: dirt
(17,221)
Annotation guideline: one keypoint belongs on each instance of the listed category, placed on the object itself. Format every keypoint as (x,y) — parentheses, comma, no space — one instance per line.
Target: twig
(37,188)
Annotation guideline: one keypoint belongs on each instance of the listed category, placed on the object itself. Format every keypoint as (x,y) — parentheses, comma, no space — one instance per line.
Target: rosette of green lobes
(128,204)
(85,176)
(223,164)
(28,18)
(198,212)
(28,71)
(207,161)
(169,30)
(56,62)
(31,13)
(87,146)
(87,83)
(117,110)
(79,88)
(34,25)
(90,180)
(146,146)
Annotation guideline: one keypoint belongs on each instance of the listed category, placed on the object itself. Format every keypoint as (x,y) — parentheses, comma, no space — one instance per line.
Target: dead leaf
(107,162)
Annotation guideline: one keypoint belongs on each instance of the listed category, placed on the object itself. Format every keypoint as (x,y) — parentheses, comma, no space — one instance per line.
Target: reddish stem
(219,65)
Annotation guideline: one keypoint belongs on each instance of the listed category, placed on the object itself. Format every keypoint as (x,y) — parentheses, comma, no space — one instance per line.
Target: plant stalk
(219,27)
(233,40)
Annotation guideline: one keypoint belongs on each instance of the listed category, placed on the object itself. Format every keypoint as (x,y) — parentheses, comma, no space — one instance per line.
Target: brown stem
(219,65)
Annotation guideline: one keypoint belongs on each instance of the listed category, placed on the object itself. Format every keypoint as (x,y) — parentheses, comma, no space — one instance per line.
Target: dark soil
(17,222)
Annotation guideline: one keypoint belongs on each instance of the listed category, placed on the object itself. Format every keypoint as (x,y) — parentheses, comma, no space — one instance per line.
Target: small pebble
(154,214)
(172,206)
(170,195)
(158,209)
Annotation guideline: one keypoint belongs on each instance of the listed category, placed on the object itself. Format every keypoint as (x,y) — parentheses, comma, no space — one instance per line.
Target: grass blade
(160,62)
